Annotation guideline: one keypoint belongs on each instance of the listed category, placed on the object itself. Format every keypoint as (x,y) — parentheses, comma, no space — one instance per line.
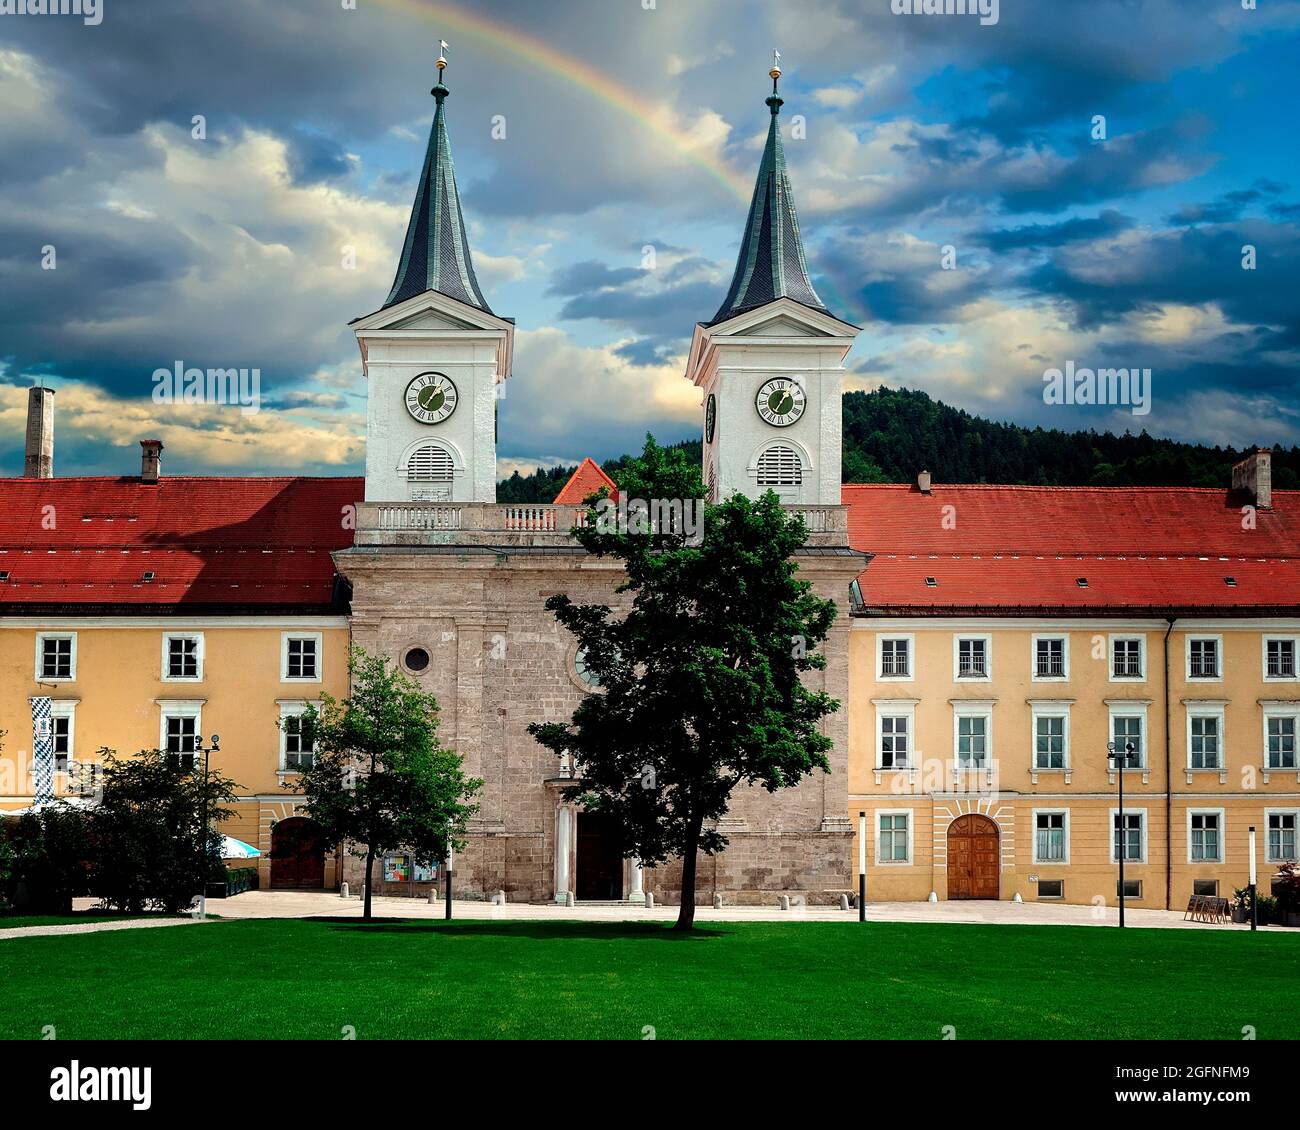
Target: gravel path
(93,927)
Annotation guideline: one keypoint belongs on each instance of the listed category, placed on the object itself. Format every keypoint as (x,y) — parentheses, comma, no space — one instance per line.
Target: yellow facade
(1053,823)
(119,693)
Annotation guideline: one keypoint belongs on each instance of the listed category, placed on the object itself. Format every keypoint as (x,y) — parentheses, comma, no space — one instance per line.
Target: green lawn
(411,980)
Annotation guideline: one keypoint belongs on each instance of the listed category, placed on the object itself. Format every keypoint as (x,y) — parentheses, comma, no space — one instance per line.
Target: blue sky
(921,132)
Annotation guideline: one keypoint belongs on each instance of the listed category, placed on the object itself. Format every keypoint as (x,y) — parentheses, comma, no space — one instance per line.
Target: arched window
(429,473)
(780,466)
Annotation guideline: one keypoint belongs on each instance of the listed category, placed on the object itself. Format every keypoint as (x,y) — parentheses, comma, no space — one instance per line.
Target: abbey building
(996,644)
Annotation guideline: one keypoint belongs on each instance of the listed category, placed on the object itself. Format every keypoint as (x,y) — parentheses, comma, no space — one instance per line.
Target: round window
(588,676)
(417,659)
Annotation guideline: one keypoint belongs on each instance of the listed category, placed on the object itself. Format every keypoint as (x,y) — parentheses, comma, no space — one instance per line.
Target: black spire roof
(436,253)
(771,263)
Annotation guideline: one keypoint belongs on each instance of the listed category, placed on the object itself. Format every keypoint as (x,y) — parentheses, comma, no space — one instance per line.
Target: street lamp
(447,892)
(1119,758)
(215,747)
(1254,914)
(862,866)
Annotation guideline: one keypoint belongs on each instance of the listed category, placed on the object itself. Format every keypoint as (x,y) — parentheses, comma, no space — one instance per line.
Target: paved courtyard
(311,904)
(328,904)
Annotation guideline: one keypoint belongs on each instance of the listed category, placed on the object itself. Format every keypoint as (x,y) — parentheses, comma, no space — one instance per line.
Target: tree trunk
(370,866)
(690,857)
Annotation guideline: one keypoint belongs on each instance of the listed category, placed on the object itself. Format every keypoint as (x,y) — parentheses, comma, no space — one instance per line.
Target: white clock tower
(435,355)
(770,363)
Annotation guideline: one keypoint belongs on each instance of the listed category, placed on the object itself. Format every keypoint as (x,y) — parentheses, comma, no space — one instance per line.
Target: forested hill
(890,435)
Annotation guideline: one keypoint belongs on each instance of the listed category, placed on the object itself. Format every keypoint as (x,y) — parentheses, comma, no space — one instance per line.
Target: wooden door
(297,855)
(973,858)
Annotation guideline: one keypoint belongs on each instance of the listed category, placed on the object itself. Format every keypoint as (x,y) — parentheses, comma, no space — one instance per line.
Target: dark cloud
(1229,206)
(644,352)
(1037,236)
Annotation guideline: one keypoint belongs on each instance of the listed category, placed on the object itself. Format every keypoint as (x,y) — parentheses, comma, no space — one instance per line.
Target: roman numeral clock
(431,398)
(780,402)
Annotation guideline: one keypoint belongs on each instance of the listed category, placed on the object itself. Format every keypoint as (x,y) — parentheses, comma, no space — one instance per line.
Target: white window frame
(1119,709)
(179,708)
(881,637)
(1065,657)
(198,656)
(1223,835)
(1295,814)
(41,637)
(972,709)
(1047,708)
(897,709)
(290,708)
(1280,710)
(987,641)
(1263,657)
(1033,829)
(1115,638)
(285,637)
(911,833)
(1214,710)
(1218,655)
(1110,834)
(65,708)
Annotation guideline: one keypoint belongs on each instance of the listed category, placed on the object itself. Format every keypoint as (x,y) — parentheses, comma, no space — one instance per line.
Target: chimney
(39,461)
(150,458)
(923,482)
(1254,475)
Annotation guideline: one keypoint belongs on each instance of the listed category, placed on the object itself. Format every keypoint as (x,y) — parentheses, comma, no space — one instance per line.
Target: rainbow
(542,56)
(498,37)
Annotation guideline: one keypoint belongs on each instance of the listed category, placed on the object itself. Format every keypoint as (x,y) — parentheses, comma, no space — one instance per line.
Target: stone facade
(500,661)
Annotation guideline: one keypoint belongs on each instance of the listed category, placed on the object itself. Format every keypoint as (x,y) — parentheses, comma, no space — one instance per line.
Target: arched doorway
(973,858)
(297,855)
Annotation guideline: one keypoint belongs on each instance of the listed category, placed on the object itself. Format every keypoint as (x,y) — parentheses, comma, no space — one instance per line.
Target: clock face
(710,418)
(780,402)
(431,398)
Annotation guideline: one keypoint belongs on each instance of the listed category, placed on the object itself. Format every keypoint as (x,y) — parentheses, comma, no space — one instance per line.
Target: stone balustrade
(513,525)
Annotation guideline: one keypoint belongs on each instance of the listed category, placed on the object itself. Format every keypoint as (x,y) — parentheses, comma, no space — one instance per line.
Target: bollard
(568,898)
(785,902)
(844,902)
(717,902)
(433,896)
(343,890)
(650,899)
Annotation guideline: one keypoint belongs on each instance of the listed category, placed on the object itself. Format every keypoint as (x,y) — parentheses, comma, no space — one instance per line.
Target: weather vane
(442,59)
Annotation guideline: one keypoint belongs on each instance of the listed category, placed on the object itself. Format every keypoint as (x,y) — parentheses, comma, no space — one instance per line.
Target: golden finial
(776,65)
(442,59)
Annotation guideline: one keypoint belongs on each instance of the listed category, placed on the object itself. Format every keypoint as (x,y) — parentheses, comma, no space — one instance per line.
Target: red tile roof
(223,543)
(1024,549)
(583,483)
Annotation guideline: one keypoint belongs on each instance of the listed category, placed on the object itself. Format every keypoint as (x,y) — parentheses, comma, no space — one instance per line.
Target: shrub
(150,849)
(45,863)
(1286,888)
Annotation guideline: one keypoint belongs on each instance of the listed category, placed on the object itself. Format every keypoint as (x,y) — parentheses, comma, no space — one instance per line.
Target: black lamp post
(215,747)
(1254,886)
(1119,758)
(447,878)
